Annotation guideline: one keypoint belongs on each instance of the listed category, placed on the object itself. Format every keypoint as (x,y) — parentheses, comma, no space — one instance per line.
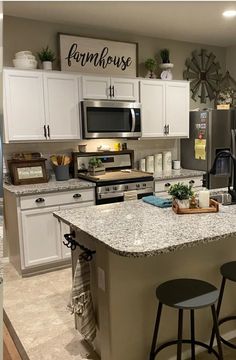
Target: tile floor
(36,307)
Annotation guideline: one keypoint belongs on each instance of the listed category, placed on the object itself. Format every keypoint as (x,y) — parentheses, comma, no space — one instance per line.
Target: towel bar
(72,244)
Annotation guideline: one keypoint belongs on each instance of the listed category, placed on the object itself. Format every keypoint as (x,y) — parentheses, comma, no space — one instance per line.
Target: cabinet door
(152,98)
(24,114)
(41,236)
(62,106)
(177,109)
(125,89)
(65,229)
(96,87)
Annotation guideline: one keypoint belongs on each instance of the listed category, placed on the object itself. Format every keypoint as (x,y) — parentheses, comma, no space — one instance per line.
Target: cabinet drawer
(162,186)
(59,198)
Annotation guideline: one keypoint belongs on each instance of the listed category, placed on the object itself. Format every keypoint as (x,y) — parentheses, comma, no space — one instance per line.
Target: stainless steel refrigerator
(210,131)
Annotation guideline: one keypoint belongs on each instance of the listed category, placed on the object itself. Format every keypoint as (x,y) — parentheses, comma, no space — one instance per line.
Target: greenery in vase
(180,191)
(165,56)
(94,162)
(150,64)
(46,55)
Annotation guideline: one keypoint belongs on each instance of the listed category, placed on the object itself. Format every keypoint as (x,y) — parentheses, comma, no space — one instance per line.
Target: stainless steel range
(120,179)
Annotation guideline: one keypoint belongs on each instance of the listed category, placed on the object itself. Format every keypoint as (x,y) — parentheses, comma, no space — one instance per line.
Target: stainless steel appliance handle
(233,134)
(133,120)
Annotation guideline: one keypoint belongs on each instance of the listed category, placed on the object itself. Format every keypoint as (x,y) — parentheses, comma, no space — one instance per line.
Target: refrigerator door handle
(233,135)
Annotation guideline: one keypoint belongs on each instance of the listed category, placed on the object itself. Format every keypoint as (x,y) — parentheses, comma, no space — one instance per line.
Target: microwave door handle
(133,120)
(233,150)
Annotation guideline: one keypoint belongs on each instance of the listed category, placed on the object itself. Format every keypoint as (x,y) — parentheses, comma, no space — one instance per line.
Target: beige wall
(24,34)
(231,60)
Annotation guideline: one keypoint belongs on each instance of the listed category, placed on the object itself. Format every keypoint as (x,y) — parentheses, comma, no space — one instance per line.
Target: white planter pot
(47,65)
(183,204)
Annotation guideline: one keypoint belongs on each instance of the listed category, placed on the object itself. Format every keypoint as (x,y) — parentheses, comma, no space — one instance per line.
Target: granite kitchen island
(138,246)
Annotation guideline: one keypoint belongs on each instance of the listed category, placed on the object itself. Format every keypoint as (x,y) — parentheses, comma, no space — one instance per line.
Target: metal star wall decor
(203,73)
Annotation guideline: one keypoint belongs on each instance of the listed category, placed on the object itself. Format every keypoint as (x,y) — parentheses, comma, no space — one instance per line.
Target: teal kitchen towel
(157,201)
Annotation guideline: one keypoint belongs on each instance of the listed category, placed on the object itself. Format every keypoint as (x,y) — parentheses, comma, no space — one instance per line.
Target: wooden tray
(214,207)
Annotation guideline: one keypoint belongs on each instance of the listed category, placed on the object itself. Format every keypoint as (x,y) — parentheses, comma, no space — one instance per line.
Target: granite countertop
(51,186)
(136,229)
(178,174)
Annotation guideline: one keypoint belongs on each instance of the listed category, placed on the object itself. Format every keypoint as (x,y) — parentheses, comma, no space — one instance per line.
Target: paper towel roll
(167,161)
(142,164)
(158,163)
(150,163)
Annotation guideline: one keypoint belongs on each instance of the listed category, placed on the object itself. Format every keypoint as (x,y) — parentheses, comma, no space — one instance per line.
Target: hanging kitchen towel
(81,299)
(158,201)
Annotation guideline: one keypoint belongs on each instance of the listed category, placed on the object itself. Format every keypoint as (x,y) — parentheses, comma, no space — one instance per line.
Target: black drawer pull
(40,200)
(167,184)
(191,182)
(77,196)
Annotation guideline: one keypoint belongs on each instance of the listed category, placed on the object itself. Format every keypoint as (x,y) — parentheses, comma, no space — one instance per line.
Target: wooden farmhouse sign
(97,56)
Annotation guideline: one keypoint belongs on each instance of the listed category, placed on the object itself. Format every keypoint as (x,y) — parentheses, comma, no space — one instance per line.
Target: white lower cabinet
(162,186)
(41,233)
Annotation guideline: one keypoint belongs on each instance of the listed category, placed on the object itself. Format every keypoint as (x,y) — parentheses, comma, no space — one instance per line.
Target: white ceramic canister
(158,163)
(142,164)
(167,165)
(150,163)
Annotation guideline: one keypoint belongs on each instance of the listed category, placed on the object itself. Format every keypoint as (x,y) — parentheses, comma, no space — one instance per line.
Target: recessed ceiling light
(229,13)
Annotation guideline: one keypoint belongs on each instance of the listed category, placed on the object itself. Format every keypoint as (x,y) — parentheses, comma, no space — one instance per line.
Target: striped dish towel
(81,300)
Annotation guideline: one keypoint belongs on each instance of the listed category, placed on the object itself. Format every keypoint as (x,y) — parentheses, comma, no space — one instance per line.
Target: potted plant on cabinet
(166,65)
(96,167)
(46,56)
(150,65)
(181,194)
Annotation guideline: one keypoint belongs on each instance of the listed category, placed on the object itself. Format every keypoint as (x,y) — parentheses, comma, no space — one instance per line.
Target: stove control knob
(144,185)
(115,188)
(126,187)
(107,188)
(137,185)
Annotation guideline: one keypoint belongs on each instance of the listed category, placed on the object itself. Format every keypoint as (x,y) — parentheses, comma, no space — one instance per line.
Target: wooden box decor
(98,56)
(213,208)
(27,171)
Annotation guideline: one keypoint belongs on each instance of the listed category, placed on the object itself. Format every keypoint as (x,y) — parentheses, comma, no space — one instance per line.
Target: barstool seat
(189,295)
(228,271)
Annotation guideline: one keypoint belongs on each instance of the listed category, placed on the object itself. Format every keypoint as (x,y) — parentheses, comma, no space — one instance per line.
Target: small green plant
(46,55)
(150,64)
(180,191)
(165,56)
(94,162)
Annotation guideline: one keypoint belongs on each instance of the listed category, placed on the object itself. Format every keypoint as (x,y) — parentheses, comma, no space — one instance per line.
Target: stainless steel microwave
(110,119)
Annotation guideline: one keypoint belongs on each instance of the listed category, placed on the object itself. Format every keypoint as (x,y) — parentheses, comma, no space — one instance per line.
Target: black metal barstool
(228,272)
(186,294)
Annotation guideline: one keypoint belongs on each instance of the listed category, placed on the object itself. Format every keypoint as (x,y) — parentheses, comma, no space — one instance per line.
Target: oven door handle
(133,120)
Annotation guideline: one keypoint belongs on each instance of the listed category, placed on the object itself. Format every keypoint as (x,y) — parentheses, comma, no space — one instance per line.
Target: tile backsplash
(141,148)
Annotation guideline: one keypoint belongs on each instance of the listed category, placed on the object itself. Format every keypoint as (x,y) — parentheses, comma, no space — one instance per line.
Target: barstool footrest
(222,321)
(185,341)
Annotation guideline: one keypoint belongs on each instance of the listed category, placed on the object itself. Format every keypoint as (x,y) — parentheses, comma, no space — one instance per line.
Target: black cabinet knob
(39,200)
(191,182)
(167,184)
(77,196)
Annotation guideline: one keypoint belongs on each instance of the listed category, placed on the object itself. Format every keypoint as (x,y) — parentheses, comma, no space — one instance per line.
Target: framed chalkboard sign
(97,56)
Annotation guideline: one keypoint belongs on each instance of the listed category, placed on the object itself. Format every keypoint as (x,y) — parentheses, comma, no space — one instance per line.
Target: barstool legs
(216,330)
(156,329)
(180,334)
(192,334)
(222,287)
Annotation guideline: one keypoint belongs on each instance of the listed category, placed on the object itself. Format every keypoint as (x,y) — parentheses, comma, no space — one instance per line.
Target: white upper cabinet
(24,117)
(124,89)
(61,106)
(177,109)
(41,105)
(165,108)
(95,87)
(106,88)
(152,97)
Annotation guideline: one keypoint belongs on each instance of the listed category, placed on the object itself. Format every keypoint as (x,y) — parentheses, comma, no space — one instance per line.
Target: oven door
(111,119)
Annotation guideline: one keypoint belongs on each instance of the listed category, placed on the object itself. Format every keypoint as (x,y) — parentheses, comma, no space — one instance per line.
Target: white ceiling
(198,21)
